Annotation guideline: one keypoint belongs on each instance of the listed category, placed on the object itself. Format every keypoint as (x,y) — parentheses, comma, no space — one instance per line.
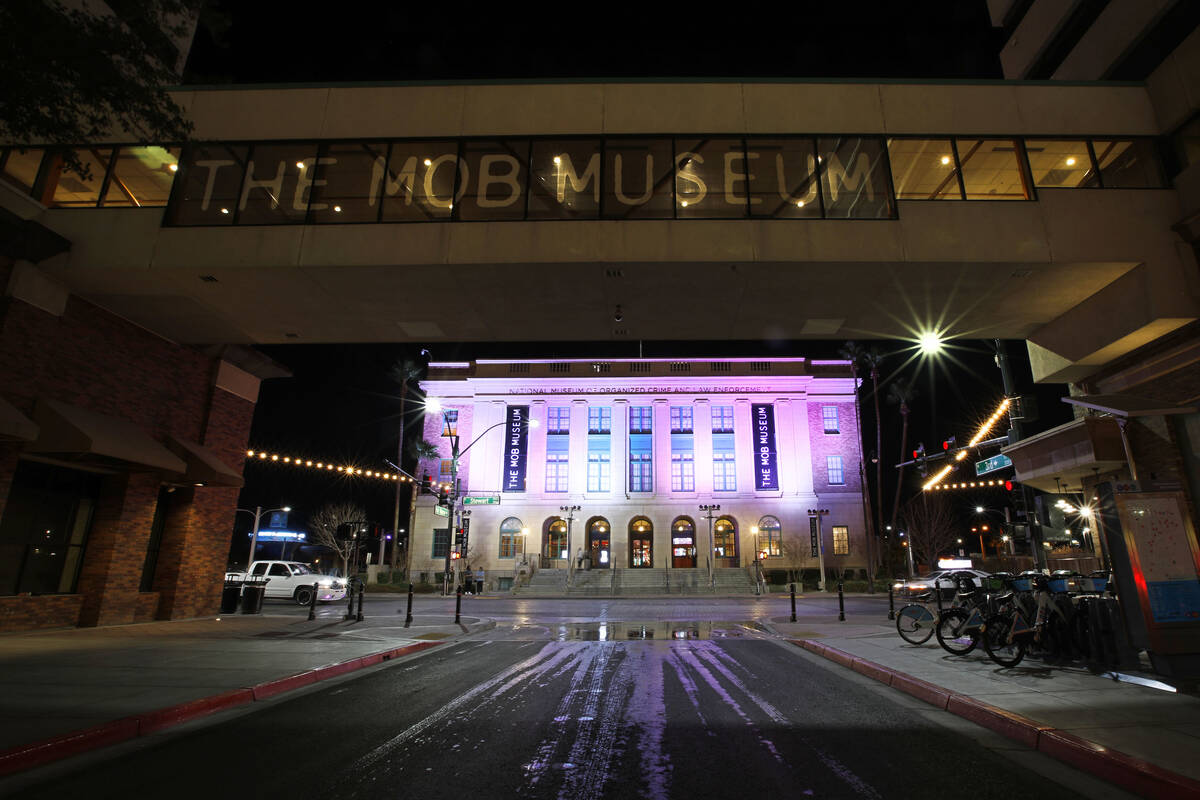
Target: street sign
(992,464)
(441,511)
(481,501)
(812,532)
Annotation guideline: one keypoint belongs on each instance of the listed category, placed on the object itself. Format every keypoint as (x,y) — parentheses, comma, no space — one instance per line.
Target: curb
(27,756)
(1128,772)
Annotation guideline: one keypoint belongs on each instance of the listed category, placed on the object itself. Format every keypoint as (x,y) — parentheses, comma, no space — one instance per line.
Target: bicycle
(959,628)
(915,622)
(1008,634)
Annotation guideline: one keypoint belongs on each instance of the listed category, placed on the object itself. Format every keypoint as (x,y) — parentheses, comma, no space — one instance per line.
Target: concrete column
(619,453)
(785,444)
(577,451)
(662,448)
(489,468)
(702,442)
(535,470)
(801,453)
(742,451)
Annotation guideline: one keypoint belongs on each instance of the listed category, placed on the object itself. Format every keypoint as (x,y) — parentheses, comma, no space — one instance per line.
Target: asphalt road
(604,715)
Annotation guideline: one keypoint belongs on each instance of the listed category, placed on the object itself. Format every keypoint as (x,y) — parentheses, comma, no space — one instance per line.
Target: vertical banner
(766,475)
(516,434)
(812,534)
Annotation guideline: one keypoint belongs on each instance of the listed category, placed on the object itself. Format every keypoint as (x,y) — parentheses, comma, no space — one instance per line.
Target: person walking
(479,575)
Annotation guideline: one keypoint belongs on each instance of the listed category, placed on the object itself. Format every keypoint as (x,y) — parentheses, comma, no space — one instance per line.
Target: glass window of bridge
(21,167)
(991,169)
(770,537)
(1060,163)
(206,192)
(420,180)
(510,531)
(348,182)
(493,180)
(783,178)
(565,179)
(854,178)
(710,178)
(638,177)
(64,188)
(1128,164)
(923,169)
(275,189)
(141,177)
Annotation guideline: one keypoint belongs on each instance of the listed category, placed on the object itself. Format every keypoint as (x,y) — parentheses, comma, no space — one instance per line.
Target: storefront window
(44,528)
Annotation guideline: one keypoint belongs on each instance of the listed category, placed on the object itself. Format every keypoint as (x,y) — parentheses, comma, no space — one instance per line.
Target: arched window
(770,537)
(510,531)
(555,538)
(725,537)
(641,542)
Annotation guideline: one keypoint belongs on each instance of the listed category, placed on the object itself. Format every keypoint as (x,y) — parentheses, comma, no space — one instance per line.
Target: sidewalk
(1144,739)
(66,691)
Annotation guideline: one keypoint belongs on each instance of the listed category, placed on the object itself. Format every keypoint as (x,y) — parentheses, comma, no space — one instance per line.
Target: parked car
(944,578)
(291,580)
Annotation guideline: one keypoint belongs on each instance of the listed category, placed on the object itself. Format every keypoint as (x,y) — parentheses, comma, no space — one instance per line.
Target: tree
(901,392)
(873,359)
(324,527)
(403,373)
(930,527)
(78,74)
(855,353)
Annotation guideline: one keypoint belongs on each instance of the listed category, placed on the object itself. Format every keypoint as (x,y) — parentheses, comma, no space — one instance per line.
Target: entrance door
(683,549)
(600,553)
(641,552)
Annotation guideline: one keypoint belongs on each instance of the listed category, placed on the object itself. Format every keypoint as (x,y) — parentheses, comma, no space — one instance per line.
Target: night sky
(341,405)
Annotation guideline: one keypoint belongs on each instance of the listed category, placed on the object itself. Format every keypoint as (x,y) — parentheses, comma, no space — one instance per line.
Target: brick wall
(844,443)
(90,358)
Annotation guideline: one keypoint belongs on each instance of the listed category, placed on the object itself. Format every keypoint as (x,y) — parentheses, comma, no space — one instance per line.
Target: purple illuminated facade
(639,445)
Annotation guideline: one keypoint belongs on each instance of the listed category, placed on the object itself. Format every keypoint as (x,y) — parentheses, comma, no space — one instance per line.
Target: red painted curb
(1013,726)
(193,709)
(412,648)
(28,756)
(873,670)
(271,688)
(922,690)
(1134,774)
(840,656)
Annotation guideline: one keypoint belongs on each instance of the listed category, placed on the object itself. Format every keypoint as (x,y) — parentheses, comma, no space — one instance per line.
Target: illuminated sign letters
(766,472)
(516,435)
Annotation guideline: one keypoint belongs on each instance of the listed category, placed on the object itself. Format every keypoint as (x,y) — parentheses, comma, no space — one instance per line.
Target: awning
(1067,455)
(204,467)
(76,434)
(14,424)
(1127,405)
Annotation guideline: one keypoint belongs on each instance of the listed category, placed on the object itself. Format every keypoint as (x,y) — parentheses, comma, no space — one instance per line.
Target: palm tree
(855,353)
(403,373)
(901,392)
(873,359)
(423,450)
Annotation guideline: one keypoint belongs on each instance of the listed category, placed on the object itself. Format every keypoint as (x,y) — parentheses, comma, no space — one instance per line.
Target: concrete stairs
(634,582)
(592,583)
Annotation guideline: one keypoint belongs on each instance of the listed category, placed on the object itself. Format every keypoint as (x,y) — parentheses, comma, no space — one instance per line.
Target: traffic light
(919,457)
(948,444)
(1009,486)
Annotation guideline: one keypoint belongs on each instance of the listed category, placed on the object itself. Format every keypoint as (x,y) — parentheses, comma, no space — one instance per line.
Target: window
(641,473)
(681,419)
(829,415)
(150,564)
(833,464)
(21,167)
(770,537)
(568,174)
(418,185)
(923,169)
(556,472)
(450,422)
(725,538)
(141,177)
(841,540)
(783,182)
(510,529)
(68,189)
(683,472)
(1127,163)
(209,182)
(704,164)
(854,178)
(280,571)
(599,419)
(991,169)
(640,419)
(558,420)
(446,467)
(724,477)
(343,190)
(441,542)
(493,181)
(274,191)
(556,539)
(1060,163)
(722,419)
(599,477)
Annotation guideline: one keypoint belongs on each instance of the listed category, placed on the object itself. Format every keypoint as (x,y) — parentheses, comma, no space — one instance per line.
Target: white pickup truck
(291,580)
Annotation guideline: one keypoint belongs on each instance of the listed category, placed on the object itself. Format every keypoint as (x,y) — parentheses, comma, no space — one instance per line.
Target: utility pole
(710,512)
(570,511)
(1014,435)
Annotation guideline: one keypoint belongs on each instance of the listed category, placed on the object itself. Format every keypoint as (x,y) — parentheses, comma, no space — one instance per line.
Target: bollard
(841,604)
(408,614)
(793,601)
(458,606)
(349,600)
(362,590)
(891,603)
(312,604)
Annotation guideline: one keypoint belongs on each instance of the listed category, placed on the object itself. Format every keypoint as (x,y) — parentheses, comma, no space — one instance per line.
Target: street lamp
(907,545)
(710,511)
(258,513)
(570,511)
(434,404)
(814,516)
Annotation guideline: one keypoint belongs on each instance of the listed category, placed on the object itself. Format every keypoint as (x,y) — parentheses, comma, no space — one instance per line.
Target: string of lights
(996,484)
(984,429)
(262,456)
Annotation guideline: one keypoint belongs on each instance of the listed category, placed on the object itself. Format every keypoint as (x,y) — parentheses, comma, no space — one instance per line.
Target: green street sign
(493,500)
(441,511)
(992,464)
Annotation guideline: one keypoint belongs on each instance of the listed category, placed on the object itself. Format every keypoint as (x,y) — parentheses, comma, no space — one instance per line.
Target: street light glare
(930,342)
(978,509)
(433,404)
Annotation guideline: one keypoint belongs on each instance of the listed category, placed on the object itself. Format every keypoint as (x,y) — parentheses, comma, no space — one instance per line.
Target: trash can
(252,594)
(230,596)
